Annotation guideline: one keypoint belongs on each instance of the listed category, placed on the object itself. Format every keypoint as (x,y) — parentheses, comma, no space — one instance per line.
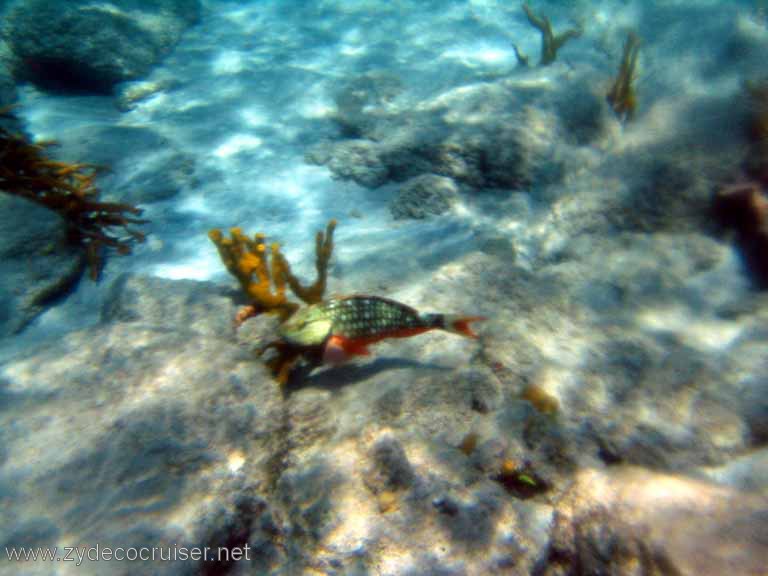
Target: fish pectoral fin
(355,348)
(334,352)
(338,350)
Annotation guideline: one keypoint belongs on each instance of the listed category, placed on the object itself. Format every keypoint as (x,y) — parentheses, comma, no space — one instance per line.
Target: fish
(341,328)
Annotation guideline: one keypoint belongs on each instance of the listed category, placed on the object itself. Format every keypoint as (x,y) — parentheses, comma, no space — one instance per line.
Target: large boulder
(37,264)
(89,46)
(632,521)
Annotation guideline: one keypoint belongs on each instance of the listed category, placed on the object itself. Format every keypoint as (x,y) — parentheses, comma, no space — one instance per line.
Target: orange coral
(70,191)
(264,273)
(248,260)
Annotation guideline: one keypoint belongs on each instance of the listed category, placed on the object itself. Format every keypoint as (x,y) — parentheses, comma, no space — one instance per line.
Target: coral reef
(550,42)
(69,190)
(621,96)
(264,275)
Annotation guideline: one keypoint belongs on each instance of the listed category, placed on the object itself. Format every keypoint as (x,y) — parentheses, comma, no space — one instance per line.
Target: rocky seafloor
(612,418)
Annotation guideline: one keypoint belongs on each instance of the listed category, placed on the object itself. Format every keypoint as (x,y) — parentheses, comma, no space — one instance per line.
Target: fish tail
(460,324)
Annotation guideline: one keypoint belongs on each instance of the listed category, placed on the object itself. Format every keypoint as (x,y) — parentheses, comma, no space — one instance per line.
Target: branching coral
(550,43)
(248,260)
(313,293)
(264,274)
(621,96)
(70,191)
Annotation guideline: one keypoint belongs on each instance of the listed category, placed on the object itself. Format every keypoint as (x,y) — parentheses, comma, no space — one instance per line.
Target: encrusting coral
(70,191)
(550,43)
(621,96)
(263,275)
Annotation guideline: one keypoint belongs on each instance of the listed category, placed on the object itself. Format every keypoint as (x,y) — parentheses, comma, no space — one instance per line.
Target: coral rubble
(621,96)
(550,42)
(70,191)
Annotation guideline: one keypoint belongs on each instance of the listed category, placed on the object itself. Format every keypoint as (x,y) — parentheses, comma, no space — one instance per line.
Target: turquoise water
(611,413)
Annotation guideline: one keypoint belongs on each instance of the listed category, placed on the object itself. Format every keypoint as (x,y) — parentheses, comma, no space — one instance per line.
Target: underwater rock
(8,93)
(582,112)
(482,137)
(168,418)
(499,160)
(142,165)
(242,519)
(201,307)
(161,176)
(424,196)
(482,388)
(356,160)
(755,409)
(389,405)
(83,47)
(744,209)
(747,473)
(669,412)
(630,519)
(307,495)
(37,264)
(374,88)
(391,468)
(671,196)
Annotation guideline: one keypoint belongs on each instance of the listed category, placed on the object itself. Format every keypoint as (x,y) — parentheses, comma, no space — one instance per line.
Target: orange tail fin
(460,324)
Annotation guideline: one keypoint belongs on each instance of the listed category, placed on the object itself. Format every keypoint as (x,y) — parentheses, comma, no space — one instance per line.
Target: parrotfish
(345,327)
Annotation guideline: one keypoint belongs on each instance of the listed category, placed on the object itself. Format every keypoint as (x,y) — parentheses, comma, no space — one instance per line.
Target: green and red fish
(345,327)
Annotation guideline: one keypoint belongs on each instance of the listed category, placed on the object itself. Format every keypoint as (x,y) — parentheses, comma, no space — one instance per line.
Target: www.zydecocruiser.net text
(98,553)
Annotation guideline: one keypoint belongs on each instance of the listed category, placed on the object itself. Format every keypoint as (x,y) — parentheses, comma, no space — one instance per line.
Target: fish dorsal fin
(390,301)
